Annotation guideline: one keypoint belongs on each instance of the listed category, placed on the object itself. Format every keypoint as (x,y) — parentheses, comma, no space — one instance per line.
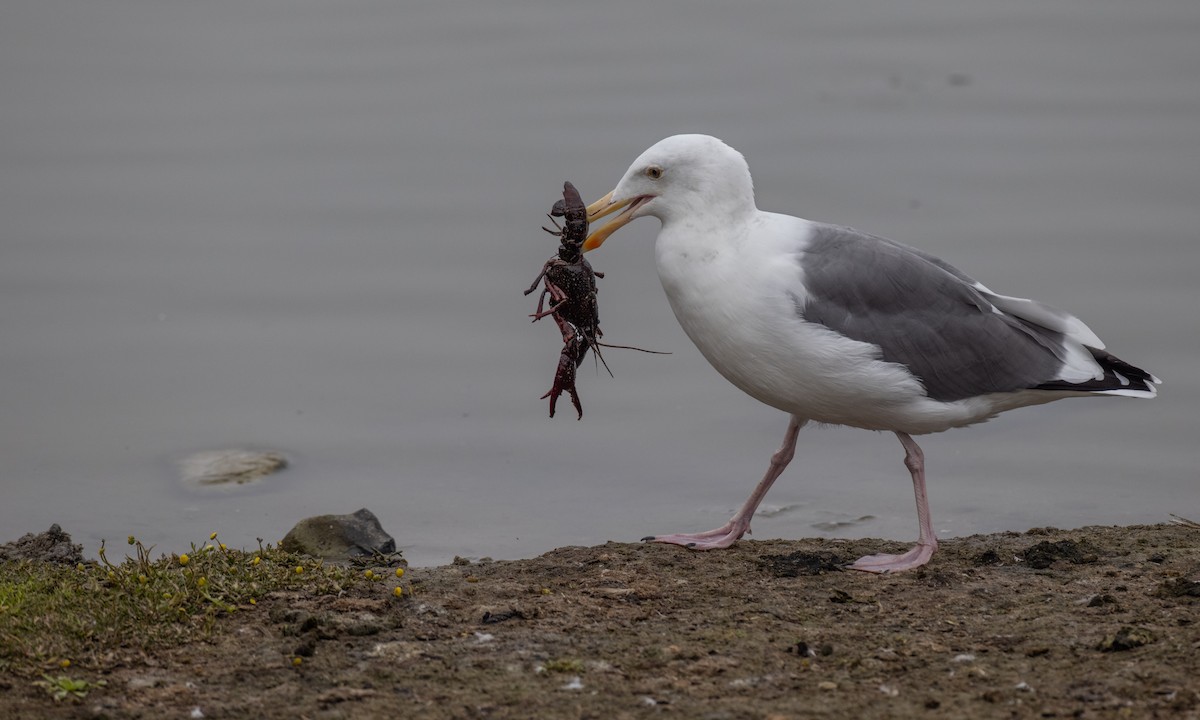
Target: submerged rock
(54,546)
(340,537)
(230,467)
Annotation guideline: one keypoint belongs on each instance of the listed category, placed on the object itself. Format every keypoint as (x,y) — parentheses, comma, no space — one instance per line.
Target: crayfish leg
(537,280)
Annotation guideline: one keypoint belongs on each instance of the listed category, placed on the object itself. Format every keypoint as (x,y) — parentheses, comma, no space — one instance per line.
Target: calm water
(306,225)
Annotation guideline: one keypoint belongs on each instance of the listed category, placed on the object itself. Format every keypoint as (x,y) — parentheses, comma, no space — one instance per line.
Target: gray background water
(305,225)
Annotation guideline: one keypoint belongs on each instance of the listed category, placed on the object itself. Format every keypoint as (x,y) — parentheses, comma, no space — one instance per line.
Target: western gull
(835,326)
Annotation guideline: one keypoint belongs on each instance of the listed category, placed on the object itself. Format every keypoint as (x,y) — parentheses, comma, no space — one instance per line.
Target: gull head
(683,177)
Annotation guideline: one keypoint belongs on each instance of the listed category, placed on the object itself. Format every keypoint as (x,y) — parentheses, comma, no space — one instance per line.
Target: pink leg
(914,459)
(739,524)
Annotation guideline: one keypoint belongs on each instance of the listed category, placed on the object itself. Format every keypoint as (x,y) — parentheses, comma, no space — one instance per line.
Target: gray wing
(924,314)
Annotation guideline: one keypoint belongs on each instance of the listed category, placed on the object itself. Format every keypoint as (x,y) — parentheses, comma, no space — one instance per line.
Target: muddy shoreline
(1095,622)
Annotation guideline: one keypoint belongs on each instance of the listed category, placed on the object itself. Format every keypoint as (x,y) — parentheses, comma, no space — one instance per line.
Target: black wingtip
(1118,375)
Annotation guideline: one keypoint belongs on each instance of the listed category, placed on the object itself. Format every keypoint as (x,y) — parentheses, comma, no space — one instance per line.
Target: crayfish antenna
(596,353)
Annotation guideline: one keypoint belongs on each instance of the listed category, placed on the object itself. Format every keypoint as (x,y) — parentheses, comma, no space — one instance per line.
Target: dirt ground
(1098,622)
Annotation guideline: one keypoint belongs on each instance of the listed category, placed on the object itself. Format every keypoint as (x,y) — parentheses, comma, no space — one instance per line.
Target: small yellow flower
(64,664)
(299,569)
(184,559)
(256,560)
(545,591)
(202,582)
(131,539)
(212,537)
(370,574)
(143,579)
(222,546)
(80,567)
(297,661)
(398,592)
(166,596)
(253,601)
(399,572)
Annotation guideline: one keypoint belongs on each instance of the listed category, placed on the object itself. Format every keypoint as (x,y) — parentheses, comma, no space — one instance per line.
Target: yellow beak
(600,208)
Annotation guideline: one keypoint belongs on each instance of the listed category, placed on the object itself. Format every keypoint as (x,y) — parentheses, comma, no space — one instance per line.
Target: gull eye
(654,172)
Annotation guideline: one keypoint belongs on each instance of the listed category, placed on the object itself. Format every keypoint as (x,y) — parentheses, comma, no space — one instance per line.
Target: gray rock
(339,537)
(54,546)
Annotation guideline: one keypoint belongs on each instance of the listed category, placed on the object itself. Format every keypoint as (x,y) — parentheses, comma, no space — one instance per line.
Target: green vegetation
(564,665)
(63,687)
(56,616)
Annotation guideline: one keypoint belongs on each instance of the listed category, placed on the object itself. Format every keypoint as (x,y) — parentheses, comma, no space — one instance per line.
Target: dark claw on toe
(648,538)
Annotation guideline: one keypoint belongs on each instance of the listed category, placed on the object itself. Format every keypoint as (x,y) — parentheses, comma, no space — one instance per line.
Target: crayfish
(570,282)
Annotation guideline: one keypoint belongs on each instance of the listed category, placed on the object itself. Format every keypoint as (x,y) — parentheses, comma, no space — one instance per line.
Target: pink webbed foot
(914,459)
(722,537)
(739,524)
(884,563)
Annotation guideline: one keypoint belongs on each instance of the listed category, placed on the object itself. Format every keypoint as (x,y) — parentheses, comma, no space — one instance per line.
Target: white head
(683,176)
